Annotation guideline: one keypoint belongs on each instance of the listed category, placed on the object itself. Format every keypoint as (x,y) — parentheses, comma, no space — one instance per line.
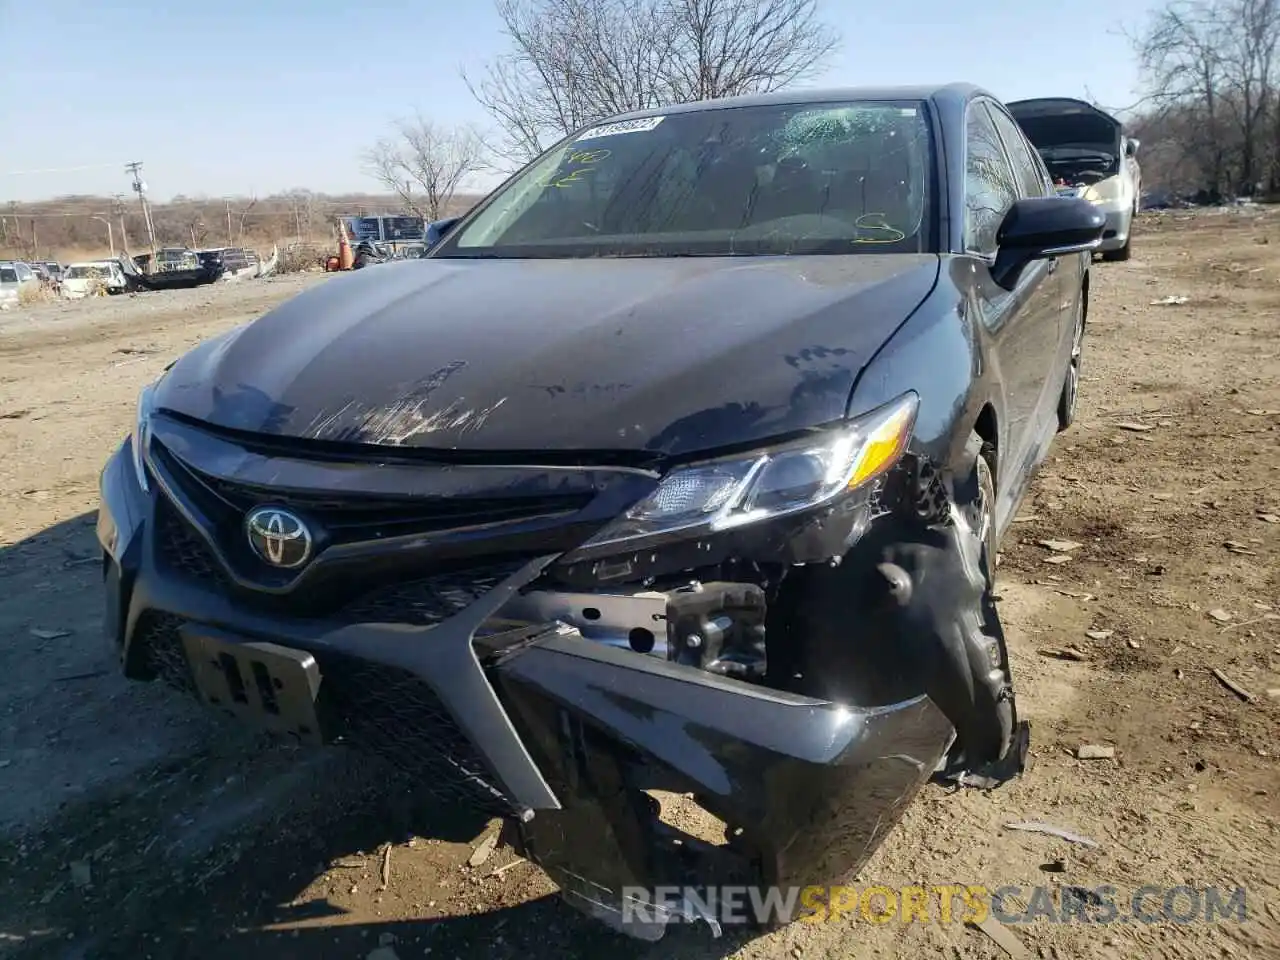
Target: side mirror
(1131,147)
(1040,227)
(436,231)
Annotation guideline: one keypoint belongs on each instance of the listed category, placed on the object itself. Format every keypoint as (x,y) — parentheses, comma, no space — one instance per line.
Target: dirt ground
(135,826)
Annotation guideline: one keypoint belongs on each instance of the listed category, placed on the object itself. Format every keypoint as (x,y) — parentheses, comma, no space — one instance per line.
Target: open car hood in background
(1057,121)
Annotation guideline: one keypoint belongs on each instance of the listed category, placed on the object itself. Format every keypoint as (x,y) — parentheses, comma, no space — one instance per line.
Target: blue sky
(243,96)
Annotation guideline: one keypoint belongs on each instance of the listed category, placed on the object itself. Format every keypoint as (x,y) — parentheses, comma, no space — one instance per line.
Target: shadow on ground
(68,723)
(265,904)
(137,825)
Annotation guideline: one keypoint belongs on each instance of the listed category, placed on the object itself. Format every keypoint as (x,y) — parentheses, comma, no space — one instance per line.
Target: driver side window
(1032,176)
(989,187)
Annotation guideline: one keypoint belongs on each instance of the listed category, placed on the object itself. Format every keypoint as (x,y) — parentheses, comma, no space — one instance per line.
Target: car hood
(1055,121)
(666,356)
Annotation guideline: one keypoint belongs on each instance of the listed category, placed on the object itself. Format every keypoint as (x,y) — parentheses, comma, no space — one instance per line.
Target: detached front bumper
(564,735)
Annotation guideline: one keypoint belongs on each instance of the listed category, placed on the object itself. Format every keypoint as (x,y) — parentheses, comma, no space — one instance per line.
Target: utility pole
(110,239)
(230,241)
(140,188)
(118,210)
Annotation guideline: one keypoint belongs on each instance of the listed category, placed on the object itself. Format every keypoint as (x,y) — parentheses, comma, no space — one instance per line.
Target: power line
(51,216)
(87,166)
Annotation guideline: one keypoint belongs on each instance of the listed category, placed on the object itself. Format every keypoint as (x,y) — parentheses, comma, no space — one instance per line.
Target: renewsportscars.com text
(944,903)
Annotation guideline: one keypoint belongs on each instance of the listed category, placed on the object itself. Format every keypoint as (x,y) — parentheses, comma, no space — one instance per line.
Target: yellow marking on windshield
(589,156)
(585,160)
(896,235)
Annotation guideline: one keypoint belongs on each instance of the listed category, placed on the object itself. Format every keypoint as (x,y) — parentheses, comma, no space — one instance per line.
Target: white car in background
(1088,155)
(16,279)
(83,279)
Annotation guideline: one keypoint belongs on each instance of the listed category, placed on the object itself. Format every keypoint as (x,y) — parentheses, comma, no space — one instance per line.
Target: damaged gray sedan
(675,468)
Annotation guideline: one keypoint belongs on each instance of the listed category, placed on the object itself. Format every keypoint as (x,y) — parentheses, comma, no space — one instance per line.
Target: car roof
(938,93)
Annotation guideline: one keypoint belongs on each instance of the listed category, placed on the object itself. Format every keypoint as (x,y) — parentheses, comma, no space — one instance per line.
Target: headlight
(800,475)
(1110,190)
(142,434)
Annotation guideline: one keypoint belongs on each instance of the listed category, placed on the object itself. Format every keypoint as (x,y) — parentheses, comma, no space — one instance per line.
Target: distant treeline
(49,228)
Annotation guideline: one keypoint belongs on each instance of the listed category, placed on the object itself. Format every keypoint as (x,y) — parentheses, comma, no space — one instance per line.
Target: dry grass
(97,287)
(303,255)
(32,295)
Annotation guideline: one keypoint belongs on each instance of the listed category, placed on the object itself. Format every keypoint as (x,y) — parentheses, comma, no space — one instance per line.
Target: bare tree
(245,214)
(729,47)
(197,229)
(424,164)
(303,205)
(1248,61)
(1178,57)
(574,61)
(1210,70)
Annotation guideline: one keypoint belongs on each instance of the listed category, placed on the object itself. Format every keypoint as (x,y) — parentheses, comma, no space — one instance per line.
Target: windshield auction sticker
(643,125)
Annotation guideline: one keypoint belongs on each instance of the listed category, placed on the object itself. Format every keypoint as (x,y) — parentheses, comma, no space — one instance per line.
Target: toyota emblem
(278,537)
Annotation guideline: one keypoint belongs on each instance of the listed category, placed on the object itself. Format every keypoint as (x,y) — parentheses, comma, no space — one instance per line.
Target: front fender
(946,354)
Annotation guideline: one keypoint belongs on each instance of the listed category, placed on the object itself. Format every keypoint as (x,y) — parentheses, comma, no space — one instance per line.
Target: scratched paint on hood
(668,356)
(412,415)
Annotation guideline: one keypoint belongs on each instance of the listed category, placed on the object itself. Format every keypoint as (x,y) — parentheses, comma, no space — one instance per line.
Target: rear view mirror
(1041,227)
(1131,148)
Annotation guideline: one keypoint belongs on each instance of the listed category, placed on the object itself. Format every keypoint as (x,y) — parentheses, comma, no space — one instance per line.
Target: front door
(1023,323)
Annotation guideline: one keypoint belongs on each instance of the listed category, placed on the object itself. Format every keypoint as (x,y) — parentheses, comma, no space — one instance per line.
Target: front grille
(183,550)
(338,519)
(428,600)
(420,601)
(357,517)
(380,710)
(159,646)
(390,713)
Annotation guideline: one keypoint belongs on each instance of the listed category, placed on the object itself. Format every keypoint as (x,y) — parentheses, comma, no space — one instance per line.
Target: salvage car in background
(369,253)
(92,278)
(677,466)
(231,261)
(1088,156)
(17,281)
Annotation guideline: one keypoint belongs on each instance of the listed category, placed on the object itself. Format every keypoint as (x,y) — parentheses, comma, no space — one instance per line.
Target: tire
(1070,395)
(1116,256)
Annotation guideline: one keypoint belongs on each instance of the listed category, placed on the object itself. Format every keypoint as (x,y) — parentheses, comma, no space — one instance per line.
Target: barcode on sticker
(642,125)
